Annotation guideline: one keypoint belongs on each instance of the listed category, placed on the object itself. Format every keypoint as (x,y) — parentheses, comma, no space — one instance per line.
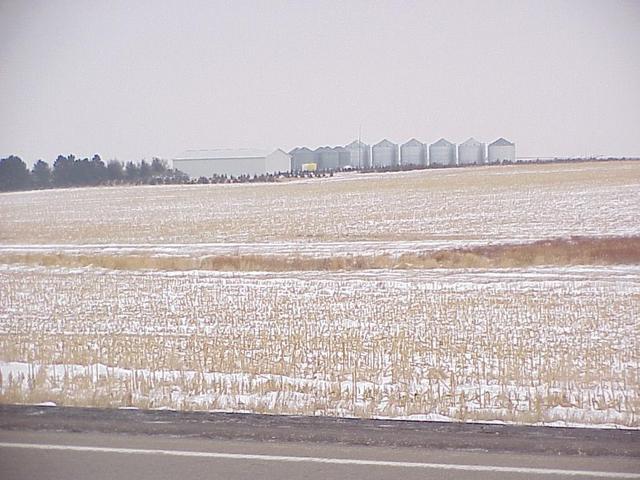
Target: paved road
(60,443)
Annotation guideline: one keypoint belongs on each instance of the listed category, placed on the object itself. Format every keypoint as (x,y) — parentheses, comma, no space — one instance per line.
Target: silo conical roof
(442,143)
(501,142)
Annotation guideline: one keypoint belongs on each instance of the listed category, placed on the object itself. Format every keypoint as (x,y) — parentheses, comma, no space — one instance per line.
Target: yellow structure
(309,167)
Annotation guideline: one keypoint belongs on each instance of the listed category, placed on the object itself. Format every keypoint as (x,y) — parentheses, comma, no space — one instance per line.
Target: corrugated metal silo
(471,152)
(328,158)
(442,153)
(344,157)
(501,151)
(413,153)
(301,156)
(360,154)
(384,154)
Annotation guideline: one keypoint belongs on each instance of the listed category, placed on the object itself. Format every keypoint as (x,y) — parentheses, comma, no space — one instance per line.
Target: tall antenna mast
(359,146)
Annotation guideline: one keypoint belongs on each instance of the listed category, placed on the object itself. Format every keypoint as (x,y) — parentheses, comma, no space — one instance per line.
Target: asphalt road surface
(70,443)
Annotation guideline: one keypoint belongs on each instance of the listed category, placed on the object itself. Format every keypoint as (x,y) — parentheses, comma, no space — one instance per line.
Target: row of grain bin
(445,153)
(441,153)
(386,154)
(354,155)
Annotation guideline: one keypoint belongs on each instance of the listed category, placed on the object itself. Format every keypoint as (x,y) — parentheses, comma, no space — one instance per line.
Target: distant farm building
(328,158)
(442,153)
(501,151)
(360,154)
(413,153)
(471,152)
(344,157)
(384,154)
(325,158)
(356,155)
(302,156)
(232,162)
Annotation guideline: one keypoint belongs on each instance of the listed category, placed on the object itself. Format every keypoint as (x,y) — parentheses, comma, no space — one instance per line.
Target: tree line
(70,171)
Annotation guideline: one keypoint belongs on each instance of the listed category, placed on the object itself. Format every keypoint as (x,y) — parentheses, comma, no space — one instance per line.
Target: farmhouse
(232,162)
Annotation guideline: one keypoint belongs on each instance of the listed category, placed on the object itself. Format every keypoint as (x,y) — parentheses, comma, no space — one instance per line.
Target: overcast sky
(136,79)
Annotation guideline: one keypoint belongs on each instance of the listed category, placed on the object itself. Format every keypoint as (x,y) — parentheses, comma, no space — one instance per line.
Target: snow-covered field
(521,202)
(552,344)
(527,345)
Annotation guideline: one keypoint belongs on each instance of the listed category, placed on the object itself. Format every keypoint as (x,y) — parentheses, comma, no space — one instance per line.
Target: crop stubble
(524,344)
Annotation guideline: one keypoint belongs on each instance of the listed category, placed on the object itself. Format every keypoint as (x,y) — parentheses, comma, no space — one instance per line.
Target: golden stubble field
(490,203)
(345,296)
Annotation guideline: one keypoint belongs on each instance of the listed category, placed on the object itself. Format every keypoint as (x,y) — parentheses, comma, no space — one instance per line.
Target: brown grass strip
(557,252)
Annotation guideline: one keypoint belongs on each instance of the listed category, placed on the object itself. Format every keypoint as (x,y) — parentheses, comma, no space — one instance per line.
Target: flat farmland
(528,345)
(459,294)
(488,203)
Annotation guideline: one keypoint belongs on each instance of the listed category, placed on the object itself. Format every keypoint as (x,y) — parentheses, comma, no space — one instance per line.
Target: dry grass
(572,251)
(368,334)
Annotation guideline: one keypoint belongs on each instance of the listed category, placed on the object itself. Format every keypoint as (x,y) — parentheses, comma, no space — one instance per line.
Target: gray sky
(133,80)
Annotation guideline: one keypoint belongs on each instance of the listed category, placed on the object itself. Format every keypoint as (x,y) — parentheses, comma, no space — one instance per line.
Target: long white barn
(232,162)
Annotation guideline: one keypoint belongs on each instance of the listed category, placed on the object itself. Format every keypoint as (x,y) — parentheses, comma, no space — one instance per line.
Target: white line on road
(335,461)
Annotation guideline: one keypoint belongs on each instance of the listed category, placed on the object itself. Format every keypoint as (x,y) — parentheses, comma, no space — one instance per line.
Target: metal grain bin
(384,154)
(301,156)
(471,152)
(501,151)
(442,153)
(360,154)
(328,158)
(413,153)
(344,157)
